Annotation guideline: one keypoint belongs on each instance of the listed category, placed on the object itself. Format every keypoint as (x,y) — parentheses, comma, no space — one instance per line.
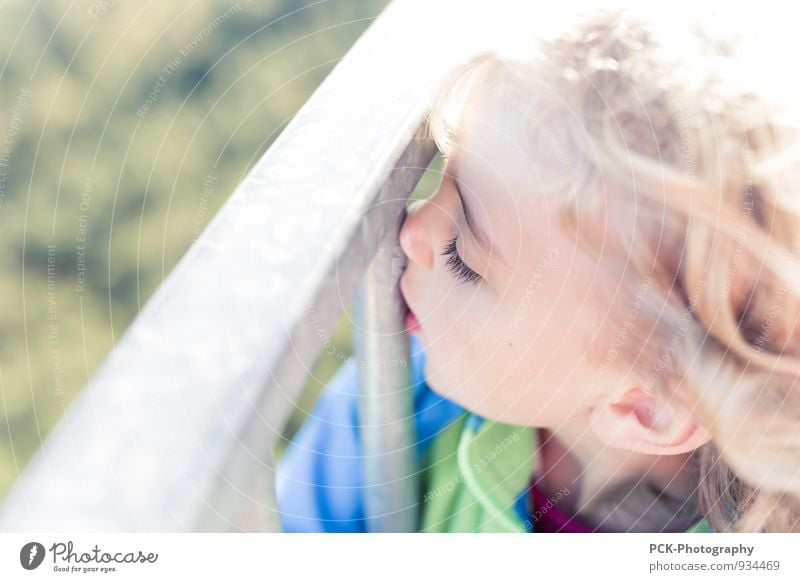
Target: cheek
(474,363)
(517,357)
(454,310)
(547,374)
(461,337)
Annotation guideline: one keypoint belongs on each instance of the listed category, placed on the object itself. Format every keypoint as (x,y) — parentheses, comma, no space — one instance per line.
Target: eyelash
(457,266)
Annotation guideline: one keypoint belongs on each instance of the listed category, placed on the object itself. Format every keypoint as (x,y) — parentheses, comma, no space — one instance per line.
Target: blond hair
(695,167)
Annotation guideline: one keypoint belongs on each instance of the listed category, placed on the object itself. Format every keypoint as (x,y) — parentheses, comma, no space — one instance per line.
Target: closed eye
(457,266)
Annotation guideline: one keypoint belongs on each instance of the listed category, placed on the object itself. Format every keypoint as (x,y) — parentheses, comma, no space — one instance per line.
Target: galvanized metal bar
(381,351)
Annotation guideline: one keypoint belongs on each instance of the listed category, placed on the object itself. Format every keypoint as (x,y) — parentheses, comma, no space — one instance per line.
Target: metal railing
(175,431)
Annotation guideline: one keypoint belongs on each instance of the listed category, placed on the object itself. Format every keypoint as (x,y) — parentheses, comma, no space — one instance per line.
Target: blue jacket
(320,476)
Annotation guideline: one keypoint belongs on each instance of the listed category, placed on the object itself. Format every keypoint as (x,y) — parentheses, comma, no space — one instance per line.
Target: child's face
(511,346)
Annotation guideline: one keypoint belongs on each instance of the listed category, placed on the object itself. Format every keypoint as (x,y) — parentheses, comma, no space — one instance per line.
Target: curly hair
(665,136)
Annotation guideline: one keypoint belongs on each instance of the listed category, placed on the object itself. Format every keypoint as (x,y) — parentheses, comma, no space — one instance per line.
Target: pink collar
(548,518)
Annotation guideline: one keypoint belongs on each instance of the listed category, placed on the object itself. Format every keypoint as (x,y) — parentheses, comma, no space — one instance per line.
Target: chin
(448,388)
(439,382)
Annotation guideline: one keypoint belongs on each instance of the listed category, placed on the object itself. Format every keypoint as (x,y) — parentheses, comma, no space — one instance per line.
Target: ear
(645,421)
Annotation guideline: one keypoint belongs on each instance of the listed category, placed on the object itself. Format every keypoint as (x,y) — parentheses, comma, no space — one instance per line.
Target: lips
(412,324)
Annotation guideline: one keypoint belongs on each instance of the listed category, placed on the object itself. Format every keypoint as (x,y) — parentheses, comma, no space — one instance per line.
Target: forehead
(504,177)
(522,135)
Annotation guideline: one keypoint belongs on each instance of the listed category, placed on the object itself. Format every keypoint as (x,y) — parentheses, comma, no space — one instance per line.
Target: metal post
(381,350)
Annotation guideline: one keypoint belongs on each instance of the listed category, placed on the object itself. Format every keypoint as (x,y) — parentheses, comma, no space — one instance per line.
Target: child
(603,293)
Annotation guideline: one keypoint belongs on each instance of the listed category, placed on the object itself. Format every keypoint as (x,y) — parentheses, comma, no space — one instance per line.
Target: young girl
(603,293)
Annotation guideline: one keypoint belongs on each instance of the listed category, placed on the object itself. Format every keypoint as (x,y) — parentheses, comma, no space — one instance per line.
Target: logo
(31,555)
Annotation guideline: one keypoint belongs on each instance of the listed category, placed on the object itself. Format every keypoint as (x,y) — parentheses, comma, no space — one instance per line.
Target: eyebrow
(480,236)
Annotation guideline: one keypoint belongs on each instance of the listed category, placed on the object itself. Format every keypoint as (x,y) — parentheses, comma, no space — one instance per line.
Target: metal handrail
(386,410)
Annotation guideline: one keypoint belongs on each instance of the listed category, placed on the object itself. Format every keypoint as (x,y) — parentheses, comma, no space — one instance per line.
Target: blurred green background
(125,126)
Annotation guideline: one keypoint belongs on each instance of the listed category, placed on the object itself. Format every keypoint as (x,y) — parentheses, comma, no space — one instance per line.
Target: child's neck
(614,489)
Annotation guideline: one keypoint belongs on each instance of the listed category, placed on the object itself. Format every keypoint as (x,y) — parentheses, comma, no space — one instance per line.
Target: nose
(415,234)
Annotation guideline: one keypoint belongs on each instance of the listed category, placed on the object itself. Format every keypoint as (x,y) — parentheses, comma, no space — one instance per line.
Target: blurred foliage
(125,126)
